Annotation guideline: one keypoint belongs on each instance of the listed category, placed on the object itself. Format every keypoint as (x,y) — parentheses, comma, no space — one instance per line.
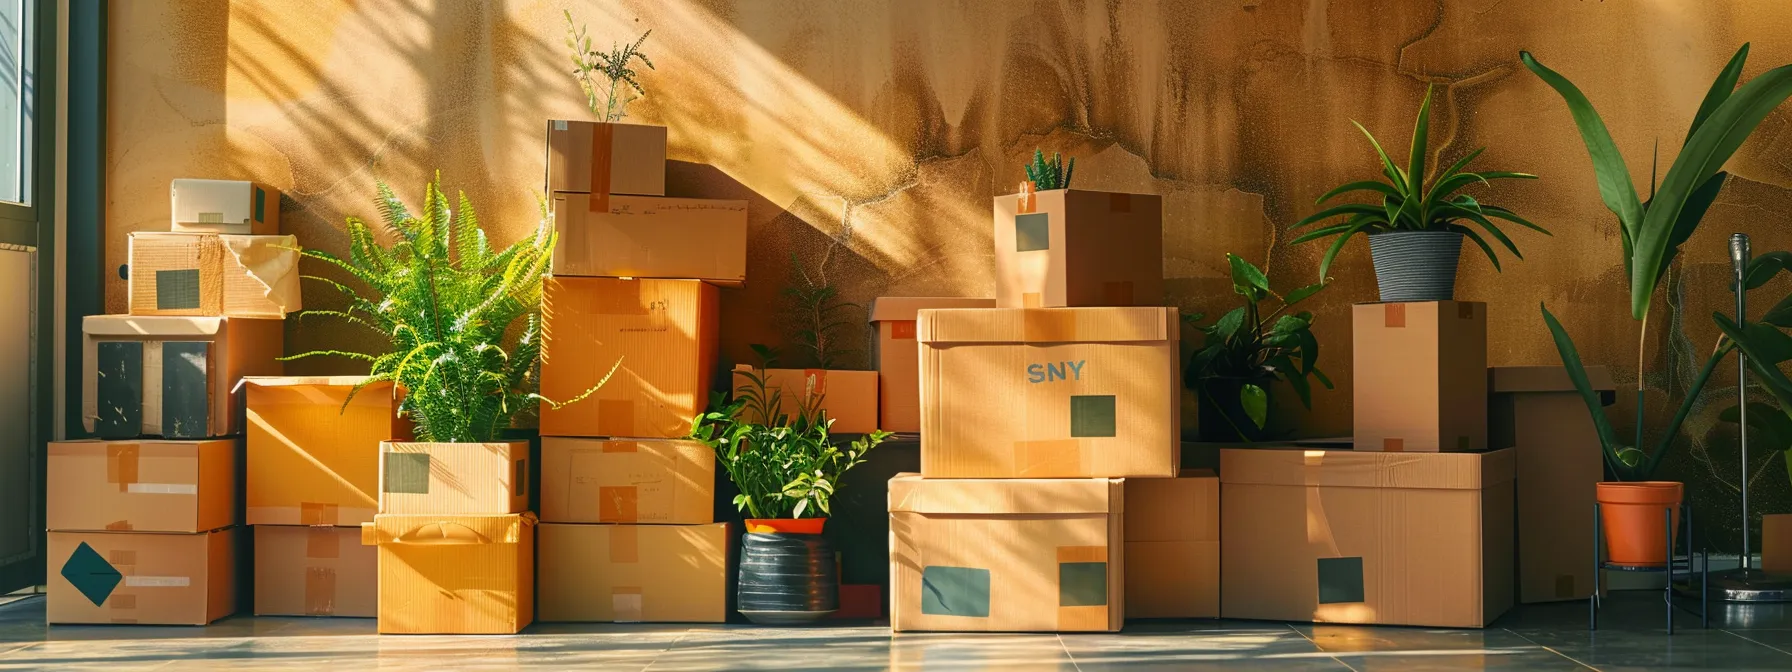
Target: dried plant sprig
(613,67)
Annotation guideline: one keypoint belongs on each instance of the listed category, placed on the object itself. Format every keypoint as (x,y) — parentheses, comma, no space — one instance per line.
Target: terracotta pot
(1632,517)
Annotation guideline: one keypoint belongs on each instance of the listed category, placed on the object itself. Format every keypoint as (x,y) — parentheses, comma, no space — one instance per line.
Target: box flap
(1003,496)
(446,529)
(151,326)
(1049,325)
(311,381)
(905,308)
(1353,469)
(1545,379)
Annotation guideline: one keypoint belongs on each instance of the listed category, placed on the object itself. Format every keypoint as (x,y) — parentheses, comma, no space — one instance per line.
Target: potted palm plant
(1245,351)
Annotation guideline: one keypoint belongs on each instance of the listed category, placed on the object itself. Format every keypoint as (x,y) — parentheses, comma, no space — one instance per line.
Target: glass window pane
(13,91)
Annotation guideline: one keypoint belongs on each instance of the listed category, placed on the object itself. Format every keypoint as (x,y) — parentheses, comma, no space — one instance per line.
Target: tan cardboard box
(141,486)
(663,333)
(849,398)
(1019,555)
(1420,376)
(141,578)
(202,274)
(1776,543)
(651,237)
(603,158)
(1173,546)
(315,571)
(1340,536)
(898,355)
(454,574)
(626,481)
(313,460)
(454,478)
(635,573)
(1050,393)
(1536,411)
(224,206)
(1069,247)
(173,377)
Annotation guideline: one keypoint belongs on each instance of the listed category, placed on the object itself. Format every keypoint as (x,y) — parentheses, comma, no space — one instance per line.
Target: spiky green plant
(613,67)
(1053,174)
(817,315)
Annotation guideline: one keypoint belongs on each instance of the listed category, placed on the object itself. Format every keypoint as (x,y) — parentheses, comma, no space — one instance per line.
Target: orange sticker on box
(1394,315)
(625,544)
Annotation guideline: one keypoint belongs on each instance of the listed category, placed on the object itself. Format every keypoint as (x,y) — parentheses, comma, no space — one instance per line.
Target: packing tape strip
(1044,325)
(1465,311)
(625,544)
(616,446)
(1119,202)
(1032,300)
(1117,293)
(616,416)
(815,382)
(163,489)
(625,604)
(139,581)
(122,464)
(1393,315)
(322,542)
(121,601)
(1393,445)
(1047,459)
(602,140)
(1027,201)
(320,591)
(318,513)
(902,330)
(152,388)
(618,504)
(121,556)
(119,526)
(620,297)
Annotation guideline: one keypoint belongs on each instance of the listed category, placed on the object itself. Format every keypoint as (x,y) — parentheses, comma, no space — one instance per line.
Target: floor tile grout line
(1752,640)
(666,649)
(1321,648)
(1067,654)
(1551,649)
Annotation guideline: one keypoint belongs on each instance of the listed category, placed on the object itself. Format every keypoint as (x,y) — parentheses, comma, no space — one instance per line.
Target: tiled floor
(1550,637)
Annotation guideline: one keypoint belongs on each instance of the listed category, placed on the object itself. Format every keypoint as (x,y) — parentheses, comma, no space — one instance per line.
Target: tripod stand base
(1750,585)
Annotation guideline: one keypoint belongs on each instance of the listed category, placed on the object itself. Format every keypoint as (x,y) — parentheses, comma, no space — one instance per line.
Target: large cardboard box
(454,478)
(898,355)
(172,377)
(849,398)
(454,574)
(314,571)
(213,275)
(1420,376)
(651,237)
(141,578)
(1339,536)
(1050,393)
(634,573)
(224,206)
(658,335)
(1536,411)
(314,453)
(626,481)
(141,486)
(604,158)
(1776,543)
(1021,555)
(1069,247)
(1173,546)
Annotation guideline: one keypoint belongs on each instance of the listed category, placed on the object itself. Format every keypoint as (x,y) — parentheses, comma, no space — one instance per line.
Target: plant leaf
(1615,187)
(1608,438)
(1365,185)
(1331,253)
(1301,294)
(1719,92)
(1247,279)
(1255,402)
(1393,172)
(1415,163)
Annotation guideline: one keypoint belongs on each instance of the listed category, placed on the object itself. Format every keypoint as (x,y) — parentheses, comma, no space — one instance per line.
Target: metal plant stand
(1698,575)
(1745,583)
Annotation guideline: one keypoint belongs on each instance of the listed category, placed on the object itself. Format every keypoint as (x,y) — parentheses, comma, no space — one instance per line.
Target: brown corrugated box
(898,356)
(634,573)
(1173,546)
(163,402)
(454,575)
(626,481)
(1420,376)
(605,158)
(224,206)
(454,478)
(1019,555)
(141,486)
(312,460)
(651,237)
(1069,247)
(1050,393)
(314,571)
(849,398)
(1776,543)
(1536,411)
(1339,536)
(662,331)
(213,275)
(141,578)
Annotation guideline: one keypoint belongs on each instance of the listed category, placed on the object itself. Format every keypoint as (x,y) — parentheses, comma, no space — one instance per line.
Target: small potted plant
(1058,247)
(605,156)
(1417,227)
(815,317)
(1245,351)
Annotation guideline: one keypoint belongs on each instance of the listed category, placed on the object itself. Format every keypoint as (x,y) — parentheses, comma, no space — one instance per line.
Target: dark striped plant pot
(1416,265)
(787,579)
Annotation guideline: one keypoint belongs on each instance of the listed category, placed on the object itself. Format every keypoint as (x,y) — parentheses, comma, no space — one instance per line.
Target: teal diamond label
(89,573)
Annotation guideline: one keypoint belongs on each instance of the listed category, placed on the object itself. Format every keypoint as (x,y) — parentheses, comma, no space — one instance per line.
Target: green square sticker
(1092,415)
(1082,584)
(955,591)
(406,473)
(1032,232)
(1340,580)
(177,289)
(261,204)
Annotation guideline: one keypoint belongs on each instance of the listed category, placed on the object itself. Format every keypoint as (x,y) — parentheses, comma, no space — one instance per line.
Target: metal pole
(1739,262)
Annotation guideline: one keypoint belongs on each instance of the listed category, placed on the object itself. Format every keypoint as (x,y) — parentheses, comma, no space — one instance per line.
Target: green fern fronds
(817,315)
(613,67)
(1054,174)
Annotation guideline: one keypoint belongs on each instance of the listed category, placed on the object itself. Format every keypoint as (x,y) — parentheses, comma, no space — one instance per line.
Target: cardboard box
(1173,546)
(651,237)
(1536,411)
(849,398)
(1420,376)
(225,206)
(1053,393)
(898,355)
(141,486)
(1340,536)
(1016,555)
(627,481)
(141,578)
(1776,543)
(454,478)
(211,275)
(1069,247)
(315,571)
(604,158)
(171,377)
(635,573)
(658,335)
(313,460)
(454,574)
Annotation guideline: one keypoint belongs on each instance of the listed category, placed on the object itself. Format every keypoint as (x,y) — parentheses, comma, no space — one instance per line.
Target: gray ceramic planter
(1416,265)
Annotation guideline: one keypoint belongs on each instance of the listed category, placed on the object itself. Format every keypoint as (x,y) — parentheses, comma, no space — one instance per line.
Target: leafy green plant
(817,316)
(1246,347)
(613,67)
(1053,174)
(1411,201)
(1766,346)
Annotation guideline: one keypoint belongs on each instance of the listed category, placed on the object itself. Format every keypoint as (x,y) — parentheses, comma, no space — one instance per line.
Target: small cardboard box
(626,481)
(604,158)
(1050,393)
(651,237)
(1536,411)
(659,335)
(225,206)
(212,275)
(1173,546)
(171,377)
(1420,376)
(898,356)
(454,478)
(1069,247)
(315,571)
(141,578)
(1776,543)
(849,398)
(312,459)
(141,486)
(635,573)
(1340,536)
(1014,555)
(454,574)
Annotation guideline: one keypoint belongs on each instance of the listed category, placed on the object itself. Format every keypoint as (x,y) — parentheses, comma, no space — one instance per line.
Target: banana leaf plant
(1246,348)
(1766,346)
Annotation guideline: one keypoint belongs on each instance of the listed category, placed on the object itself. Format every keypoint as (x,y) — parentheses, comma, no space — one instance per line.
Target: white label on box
(157,581)
(559,124)
(627,607)
(163,489)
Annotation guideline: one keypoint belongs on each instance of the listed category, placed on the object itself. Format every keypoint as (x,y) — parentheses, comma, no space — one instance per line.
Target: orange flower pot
(1632,515)
(786,525)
